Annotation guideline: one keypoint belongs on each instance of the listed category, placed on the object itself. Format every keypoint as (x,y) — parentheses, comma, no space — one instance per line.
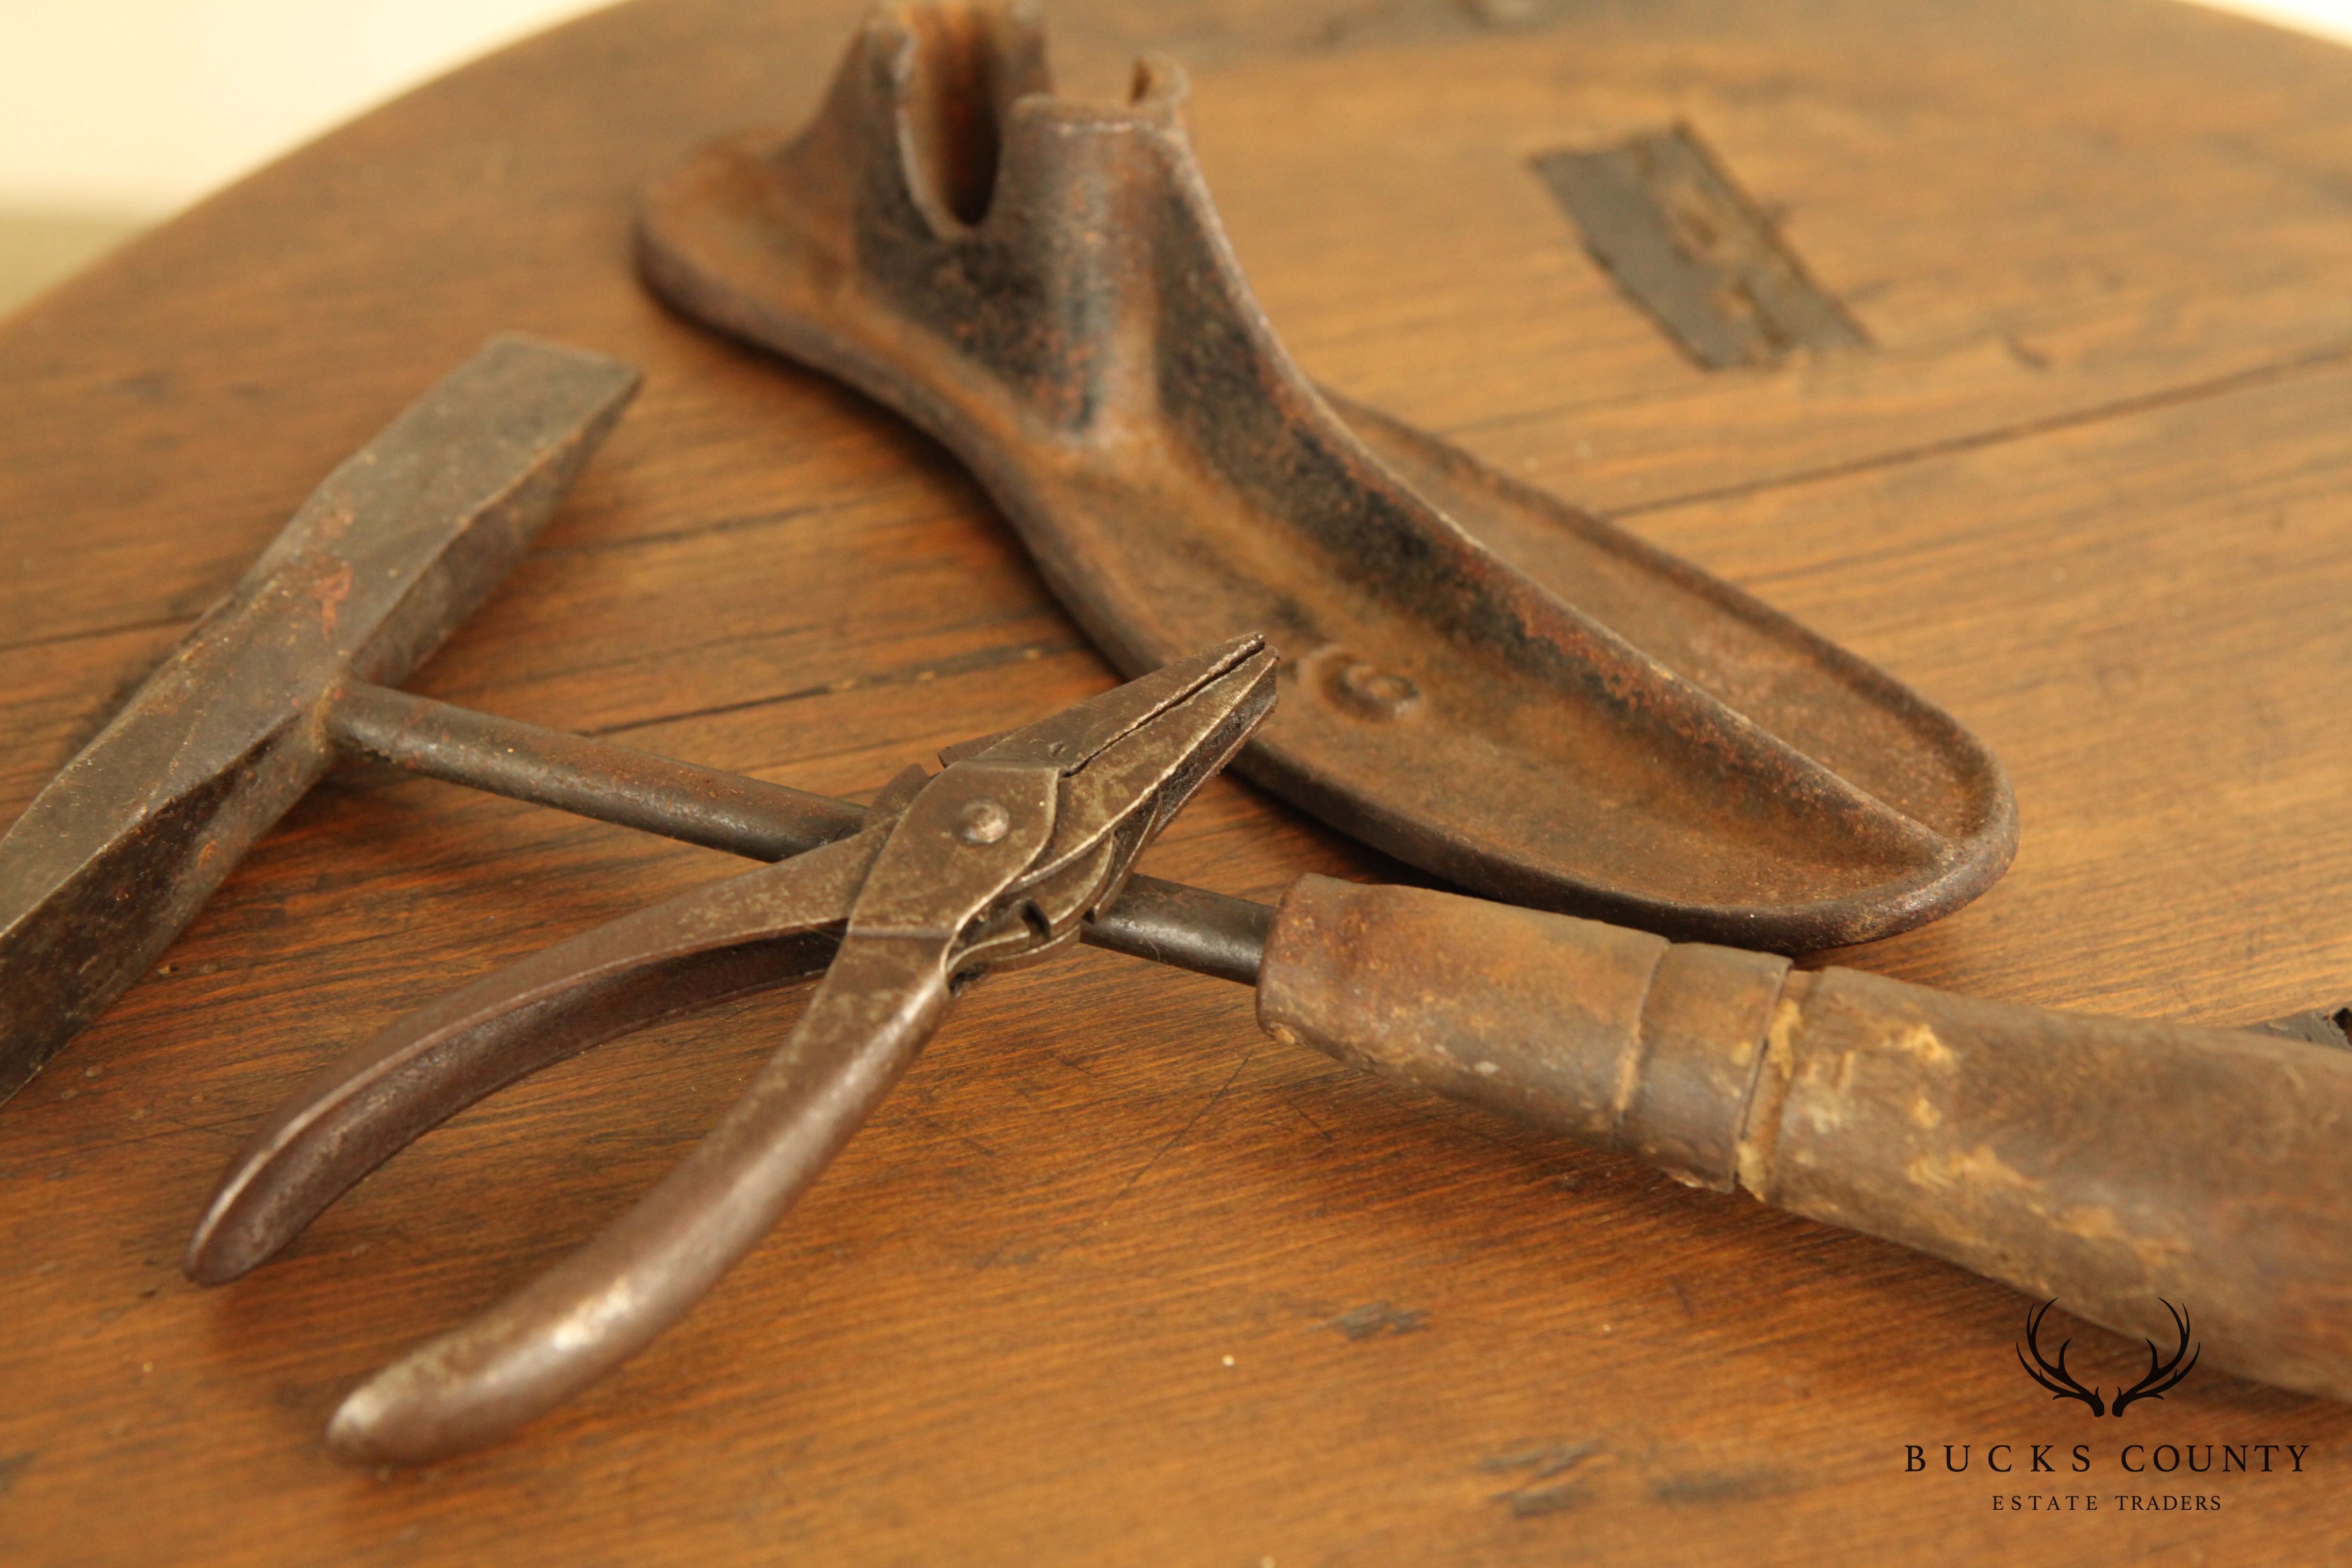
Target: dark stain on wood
(1377,1317)
(1540,1493)
(1533,1502)
(1544,1462)
(1706,1486)
(1662,215)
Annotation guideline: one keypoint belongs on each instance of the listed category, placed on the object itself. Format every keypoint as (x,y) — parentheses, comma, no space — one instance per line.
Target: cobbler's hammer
(112,860)
(402,540)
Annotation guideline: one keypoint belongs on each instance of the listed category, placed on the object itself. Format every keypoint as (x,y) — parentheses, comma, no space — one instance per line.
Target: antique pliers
(995,860)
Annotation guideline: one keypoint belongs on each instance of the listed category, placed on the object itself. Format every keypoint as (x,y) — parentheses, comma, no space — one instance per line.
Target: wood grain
(2090,489)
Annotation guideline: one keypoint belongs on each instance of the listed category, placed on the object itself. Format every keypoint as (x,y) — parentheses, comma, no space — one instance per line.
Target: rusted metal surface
(1166,923)
(2119,1165)
(589,778)
(1685,242)
(1481,680)
(1000,860)
(114,858)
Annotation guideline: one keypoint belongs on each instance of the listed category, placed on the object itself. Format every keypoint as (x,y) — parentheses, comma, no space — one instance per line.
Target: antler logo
(2053,1375)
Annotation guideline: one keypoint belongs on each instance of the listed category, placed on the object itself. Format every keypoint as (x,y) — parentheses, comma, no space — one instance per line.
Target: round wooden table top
(1112,1277)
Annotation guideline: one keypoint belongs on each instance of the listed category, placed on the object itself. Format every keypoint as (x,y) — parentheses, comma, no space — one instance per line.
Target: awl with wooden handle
(2116,1165)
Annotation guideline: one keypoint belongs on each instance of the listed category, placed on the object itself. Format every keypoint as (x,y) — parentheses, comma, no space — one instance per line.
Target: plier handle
(996,861)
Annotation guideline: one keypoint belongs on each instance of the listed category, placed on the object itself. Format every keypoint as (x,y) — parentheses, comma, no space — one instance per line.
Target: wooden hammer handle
(2116,1165)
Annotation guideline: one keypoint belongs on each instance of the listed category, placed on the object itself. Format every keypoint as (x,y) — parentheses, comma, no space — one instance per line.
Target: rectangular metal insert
(1661,215)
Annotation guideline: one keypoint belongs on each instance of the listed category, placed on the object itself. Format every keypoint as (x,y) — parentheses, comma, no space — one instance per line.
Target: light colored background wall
(113,112)
(2329,18)
(143,105)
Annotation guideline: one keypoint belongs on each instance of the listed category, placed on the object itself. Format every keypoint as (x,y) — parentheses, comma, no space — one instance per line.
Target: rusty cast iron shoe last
(1481,680)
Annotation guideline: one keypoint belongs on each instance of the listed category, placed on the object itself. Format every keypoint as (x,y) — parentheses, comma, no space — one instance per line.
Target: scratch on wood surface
(1178,1136)
(1295,1110)
(716,528)
(970,663)
(947,1130)
(2324,357)
(89,634)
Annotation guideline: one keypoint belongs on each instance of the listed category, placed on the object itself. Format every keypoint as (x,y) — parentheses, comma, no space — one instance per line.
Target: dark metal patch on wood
(1661,215)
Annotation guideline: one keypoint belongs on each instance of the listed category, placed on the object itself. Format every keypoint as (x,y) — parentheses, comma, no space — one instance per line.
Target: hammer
(293,670)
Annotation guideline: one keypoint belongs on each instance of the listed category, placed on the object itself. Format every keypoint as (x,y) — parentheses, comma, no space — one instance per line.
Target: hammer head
(114,858)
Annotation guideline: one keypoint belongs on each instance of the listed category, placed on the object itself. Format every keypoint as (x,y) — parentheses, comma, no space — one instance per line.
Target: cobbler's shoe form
(1476,678)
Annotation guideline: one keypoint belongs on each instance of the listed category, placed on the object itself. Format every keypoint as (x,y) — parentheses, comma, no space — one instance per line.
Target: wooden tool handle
(2114,1166)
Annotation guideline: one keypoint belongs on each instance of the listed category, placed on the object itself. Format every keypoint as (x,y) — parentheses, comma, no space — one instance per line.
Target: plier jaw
(1115,769)
(998,860)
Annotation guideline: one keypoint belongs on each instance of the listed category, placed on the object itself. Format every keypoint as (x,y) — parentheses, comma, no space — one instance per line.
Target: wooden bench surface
(1113,1278)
